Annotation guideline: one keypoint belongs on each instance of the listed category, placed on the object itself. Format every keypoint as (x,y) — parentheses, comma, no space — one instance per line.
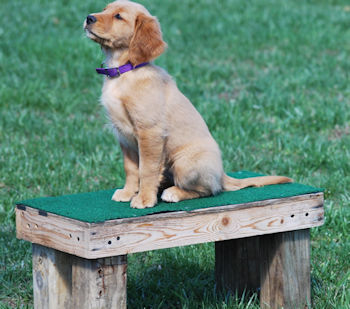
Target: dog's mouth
(93,36)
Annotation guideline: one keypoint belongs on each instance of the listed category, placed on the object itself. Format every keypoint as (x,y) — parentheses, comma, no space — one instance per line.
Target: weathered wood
(61,280)
(99,283)
(49,230)
(285,270)
(52,278)
(123,236)
(237,265)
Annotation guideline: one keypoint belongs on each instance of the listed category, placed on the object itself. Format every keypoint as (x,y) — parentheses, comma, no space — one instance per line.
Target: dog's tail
(233,184)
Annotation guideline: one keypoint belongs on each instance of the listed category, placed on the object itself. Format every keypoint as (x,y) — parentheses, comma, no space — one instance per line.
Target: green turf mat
(98,206)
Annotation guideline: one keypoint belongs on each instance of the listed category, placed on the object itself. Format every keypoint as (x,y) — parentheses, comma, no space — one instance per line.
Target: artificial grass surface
(98,206)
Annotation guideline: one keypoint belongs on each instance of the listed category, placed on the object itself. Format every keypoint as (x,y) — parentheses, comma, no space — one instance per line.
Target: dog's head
(127,26)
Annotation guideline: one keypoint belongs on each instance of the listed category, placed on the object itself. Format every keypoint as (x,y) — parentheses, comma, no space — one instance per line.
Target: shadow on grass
(178,278)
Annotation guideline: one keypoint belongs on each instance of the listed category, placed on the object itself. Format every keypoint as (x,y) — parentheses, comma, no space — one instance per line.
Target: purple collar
(112,72)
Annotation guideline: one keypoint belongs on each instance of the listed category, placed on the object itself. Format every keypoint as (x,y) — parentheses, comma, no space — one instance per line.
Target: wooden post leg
(99,283)
(237,265)
(285,270)
(52,274)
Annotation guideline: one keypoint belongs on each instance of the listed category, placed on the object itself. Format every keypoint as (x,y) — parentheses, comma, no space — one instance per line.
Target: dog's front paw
(143,200)
(122,195)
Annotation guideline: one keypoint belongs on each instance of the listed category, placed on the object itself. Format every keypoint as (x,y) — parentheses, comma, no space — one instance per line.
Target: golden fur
(165,141)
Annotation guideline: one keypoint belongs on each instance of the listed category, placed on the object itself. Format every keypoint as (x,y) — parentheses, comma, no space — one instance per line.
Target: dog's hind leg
(204,178)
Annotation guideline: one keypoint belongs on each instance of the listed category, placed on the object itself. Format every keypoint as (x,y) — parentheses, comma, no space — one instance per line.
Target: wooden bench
(259,246)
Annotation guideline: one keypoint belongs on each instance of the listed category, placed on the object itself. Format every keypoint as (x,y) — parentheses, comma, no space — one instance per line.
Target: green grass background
(271,79)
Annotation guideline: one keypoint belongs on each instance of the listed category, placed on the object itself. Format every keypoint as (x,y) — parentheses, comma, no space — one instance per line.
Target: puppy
(163,138)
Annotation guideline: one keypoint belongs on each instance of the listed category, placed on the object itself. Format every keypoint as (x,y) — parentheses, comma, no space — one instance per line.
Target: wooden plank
(166,233)
(119,237)
(49,230)
(285,270)
(52,276)
(237,265)
(99,283)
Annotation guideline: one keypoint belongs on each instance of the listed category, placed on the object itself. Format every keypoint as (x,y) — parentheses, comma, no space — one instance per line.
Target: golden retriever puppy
(162,136)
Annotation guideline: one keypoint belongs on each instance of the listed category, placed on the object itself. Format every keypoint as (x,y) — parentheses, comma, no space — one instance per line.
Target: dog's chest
(118,114)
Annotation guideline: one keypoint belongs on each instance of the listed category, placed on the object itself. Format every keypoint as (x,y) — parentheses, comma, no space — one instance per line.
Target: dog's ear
(146,43)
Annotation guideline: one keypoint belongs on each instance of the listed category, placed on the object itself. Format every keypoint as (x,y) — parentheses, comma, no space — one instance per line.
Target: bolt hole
(292,216)
(282,221)
(28,226)
(100,293)
(36,226)
(109,242)
(70,236)
(118,237)
(306,214)
(78,238)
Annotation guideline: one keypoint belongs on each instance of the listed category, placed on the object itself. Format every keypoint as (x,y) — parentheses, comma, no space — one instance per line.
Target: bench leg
(99,283)
(237,266)
(277,263)
(285,270)
(61,280)
(52,278)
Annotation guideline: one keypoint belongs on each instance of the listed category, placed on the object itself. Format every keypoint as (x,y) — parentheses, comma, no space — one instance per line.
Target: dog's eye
(117,16)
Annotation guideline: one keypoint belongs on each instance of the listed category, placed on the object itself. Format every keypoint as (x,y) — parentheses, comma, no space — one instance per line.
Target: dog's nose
(90,19)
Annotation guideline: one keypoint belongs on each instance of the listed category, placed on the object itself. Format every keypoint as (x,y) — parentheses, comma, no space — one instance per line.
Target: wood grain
(64,234)
(285,270)
(61,280)
(200,228)
(52,278)
(237,265)
(99,283)
(119,237)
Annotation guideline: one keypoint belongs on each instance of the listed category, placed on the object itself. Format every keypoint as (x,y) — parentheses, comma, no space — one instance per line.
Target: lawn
(271,79)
